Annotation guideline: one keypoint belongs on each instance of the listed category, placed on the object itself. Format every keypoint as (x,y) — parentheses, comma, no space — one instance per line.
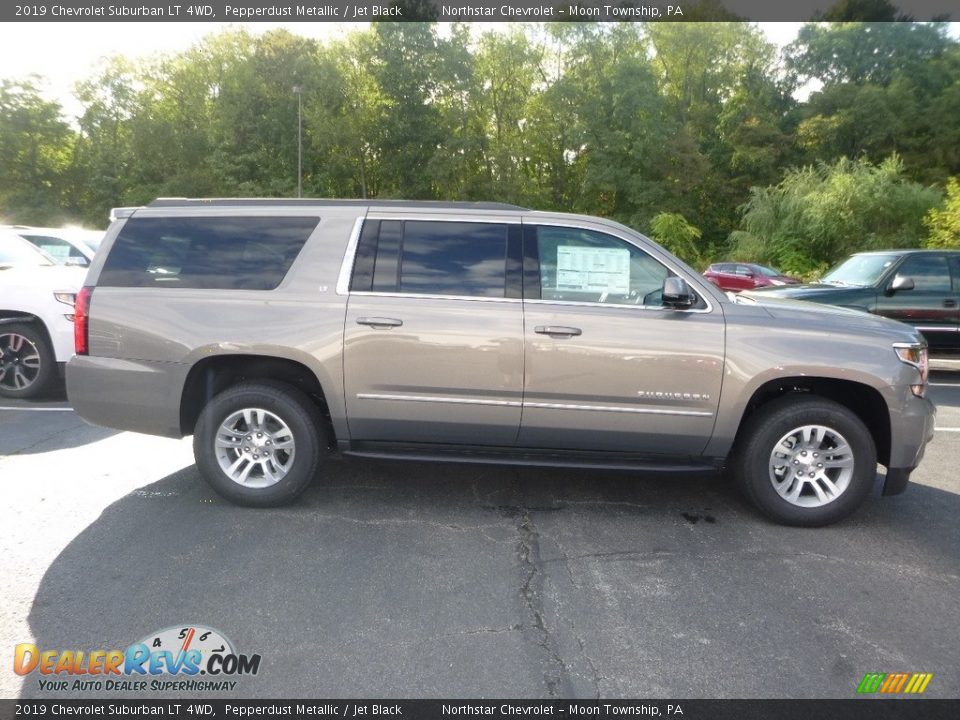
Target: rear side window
(227,253)
(423,257)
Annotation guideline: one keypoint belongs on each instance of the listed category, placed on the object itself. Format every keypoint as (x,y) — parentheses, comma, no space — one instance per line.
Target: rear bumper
(132,395)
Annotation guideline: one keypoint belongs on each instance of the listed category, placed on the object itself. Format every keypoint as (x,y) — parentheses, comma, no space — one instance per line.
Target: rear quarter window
(228,253)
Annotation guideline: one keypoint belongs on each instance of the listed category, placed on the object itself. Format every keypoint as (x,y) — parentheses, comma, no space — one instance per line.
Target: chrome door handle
(379,322)
(557,330)
(949,303)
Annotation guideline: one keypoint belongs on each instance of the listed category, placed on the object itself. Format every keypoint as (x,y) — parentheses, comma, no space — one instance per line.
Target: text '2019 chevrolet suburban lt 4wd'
(280,332)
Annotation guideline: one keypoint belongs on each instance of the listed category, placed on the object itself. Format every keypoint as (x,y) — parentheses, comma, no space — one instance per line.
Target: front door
(931,305)
(608,367)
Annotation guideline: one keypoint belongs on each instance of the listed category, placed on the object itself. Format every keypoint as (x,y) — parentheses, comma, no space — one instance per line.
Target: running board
(530,457)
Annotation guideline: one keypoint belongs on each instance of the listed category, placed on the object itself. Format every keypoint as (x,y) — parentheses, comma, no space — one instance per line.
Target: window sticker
(588,269)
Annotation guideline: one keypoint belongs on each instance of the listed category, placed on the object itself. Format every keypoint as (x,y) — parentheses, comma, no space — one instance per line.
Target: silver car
(280,333)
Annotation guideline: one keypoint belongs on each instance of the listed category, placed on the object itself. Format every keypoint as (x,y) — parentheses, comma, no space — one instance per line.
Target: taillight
(81,326)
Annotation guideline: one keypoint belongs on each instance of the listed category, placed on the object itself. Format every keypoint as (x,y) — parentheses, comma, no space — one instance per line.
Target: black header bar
(675,709)
(472,10)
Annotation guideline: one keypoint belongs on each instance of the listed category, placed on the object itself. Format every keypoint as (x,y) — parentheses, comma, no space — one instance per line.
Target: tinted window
(388,256)
(929,272)
(586,266)
(249,253)
(442,258)
(435,258)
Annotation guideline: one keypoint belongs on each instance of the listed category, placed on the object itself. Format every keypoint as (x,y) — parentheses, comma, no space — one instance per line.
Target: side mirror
(900,283)
(677,293)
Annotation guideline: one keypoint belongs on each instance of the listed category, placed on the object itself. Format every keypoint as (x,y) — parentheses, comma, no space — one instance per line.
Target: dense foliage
(828,211)
(944,223)
(689,131)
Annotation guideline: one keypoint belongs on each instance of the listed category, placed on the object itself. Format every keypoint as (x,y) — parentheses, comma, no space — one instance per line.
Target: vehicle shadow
(413,580)
(29,432)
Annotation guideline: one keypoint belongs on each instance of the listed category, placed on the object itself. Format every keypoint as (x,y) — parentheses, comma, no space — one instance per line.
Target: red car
(745,276)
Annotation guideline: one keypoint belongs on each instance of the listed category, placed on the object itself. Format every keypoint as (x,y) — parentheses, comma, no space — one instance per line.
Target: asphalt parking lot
(409,580)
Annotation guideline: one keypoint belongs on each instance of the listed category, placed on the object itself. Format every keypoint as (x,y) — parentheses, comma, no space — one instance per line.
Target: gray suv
(281,332)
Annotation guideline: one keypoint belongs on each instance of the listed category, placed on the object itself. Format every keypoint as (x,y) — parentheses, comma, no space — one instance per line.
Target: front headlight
(917,355)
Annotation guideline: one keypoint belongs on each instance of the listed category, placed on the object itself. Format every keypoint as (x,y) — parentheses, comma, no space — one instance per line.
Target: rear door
(607,366)
(433,343)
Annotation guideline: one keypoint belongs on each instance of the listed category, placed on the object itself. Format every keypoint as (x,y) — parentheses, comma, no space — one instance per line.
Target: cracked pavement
(408,580)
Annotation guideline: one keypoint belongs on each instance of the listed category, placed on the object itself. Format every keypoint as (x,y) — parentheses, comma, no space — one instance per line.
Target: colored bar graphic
(871,682)
(894,683)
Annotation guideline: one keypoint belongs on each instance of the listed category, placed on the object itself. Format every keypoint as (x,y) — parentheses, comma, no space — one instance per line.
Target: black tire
(751,468)
(33,347)
(287,404)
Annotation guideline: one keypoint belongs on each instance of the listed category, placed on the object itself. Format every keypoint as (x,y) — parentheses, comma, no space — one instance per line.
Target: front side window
(586,266)
(230,253)
(930,273)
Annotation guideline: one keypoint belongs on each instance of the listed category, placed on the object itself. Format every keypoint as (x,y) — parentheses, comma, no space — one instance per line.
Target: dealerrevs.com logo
(180,658)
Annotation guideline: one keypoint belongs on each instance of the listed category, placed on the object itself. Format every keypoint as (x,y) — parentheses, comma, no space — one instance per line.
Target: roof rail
(311,202)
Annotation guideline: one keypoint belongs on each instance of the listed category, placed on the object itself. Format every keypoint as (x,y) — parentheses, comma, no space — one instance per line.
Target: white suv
(36,317)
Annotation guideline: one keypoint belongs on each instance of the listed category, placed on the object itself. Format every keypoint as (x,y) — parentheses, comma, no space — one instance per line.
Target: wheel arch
(863,400)
(19,316)
(210,376)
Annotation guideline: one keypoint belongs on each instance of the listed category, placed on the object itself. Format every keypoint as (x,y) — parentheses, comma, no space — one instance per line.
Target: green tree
(944,223)
(508,78)
(864,52)
(406,65)
(818,214)
(678,236)
(35,147)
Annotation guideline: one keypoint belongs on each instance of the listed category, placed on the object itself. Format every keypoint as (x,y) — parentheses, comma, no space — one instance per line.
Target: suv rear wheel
(27,364)
(806,461)
(259,443)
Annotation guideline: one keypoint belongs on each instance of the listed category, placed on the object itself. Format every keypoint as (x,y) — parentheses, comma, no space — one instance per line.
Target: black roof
(310,202)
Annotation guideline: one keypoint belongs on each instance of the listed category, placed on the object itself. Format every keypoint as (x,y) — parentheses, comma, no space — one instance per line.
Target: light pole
(298,89)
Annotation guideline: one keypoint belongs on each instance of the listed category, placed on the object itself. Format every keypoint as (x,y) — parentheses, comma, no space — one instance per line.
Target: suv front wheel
(806,461)
(259,443)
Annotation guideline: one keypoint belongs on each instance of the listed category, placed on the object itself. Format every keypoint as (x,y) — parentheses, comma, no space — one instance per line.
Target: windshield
(860,270)
(767,271)
(16,251)
(64,252)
